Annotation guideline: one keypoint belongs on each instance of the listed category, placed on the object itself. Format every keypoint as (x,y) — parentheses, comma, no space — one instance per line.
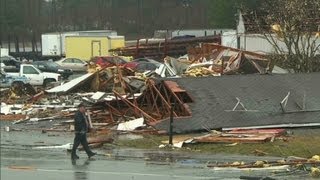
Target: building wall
(229,39)
(81,47)
(116,41)
(258,43)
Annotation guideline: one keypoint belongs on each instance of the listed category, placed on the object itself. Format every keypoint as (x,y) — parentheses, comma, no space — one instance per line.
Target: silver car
(73,63)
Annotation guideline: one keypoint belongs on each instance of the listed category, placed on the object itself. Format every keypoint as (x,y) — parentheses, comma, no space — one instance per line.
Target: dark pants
(80,138)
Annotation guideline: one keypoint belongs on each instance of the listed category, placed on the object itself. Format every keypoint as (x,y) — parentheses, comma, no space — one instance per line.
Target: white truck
(35,76)
(7,80)
(53,44)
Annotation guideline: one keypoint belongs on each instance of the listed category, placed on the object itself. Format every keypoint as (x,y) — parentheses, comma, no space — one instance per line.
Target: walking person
(81,126)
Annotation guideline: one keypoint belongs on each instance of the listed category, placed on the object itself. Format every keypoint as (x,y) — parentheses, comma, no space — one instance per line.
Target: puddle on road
(129,136)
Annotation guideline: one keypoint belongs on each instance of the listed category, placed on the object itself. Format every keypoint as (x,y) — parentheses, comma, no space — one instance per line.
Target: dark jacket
(80,124)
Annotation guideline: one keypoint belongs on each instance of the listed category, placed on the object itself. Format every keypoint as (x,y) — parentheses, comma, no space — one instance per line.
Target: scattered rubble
(290,164)
(235,137)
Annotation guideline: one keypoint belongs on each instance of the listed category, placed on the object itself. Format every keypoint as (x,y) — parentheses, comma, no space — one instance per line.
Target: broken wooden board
(12,117)
(100,139)
(92,146)
(64,88)
(232,138)
(178,141)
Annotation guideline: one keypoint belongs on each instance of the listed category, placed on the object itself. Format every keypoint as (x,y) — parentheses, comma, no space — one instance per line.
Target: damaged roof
(248,100)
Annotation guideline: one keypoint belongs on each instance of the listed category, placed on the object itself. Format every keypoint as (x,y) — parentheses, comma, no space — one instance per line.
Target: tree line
(132,18)
(297,20)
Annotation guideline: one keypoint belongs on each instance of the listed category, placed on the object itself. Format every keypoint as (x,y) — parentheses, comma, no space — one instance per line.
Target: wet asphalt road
(20,160)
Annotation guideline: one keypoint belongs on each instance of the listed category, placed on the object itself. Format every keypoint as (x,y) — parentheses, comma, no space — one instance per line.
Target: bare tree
(294,25)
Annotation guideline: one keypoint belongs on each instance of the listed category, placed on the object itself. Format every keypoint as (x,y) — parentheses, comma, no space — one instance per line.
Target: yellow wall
(116,42)
(81,46)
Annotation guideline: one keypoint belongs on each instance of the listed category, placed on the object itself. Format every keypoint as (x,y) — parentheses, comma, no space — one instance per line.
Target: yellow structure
(85,47)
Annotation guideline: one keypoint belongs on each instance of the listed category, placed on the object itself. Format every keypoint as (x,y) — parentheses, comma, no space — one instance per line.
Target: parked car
(108,61)
(50,66)
(8,80)
(143,64)
(73,63)
(10,64)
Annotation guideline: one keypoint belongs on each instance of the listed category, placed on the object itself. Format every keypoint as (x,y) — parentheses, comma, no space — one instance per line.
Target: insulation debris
(131,125)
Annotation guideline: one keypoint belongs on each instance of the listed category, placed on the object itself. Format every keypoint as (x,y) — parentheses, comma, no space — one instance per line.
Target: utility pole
(186,4)
(139,25)
(53,15)
(2,15)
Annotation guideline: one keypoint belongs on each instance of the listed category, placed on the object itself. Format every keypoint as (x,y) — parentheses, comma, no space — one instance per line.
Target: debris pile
(122,99)
(211,59)
(227,60)
(17,93)
(115,95)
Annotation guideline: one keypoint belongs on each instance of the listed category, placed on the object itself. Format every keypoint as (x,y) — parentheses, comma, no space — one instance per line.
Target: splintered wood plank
(276,132)
(12,117)
(173,86)
(233,139)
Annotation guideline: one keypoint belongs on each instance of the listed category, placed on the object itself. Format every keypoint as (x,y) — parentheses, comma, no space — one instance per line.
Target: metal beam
(132,105)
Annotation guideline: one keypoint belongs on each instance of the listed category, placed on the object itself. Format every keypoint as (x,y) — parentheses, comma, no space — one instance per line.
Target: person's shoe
(74,157)
(92,154)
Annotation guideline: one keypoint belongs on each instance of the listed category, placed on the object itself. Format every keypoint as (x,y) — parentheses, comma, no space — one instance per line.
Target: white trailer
(229,39)
(53,44)
(192,32)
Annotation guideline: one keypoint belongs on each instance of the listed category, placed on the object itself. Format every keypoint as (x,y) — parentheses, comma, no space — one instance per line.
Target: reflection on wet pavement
(80,169)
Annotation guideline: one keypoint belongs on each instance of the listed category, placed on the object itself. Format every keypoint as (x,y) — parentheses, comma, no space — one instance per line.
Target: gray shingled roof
(260,94)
